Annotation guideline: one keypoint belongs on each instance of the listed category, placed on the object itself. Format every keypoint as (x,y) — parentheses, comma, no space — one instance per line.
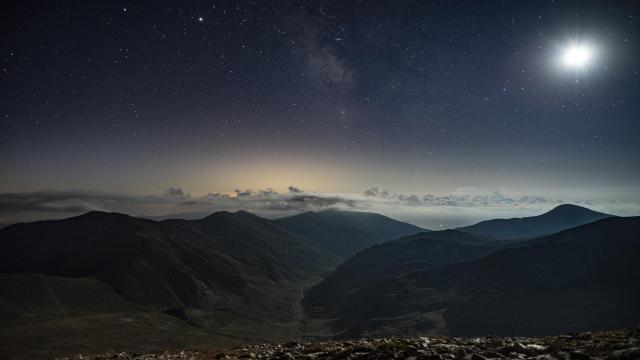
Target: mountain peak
(559,218)
(97,214)
(245,213)
(571,211)
(344,233)
(569,208)
(217,214)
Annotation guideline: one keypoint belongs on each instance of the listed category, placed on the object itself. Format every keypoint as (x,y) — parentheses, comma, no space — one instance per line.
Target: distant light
(201,19)
(577,56)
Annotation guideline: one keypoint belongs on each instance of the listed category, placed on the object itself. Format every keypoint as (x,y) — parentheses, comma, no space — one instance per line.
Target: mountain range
(228,277)
(214,275)
(108,281)
(575,280)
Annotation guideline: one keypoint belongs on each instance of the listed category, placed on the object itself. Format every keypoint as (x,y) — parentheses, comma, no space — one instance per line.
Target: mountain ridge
(559,218)
(238,277)
(345,233)
(574,280)
(224,270)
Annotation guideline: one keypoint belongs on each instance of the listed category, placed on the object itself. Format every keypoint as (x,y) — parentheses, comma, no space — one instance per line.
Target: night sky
(157,107)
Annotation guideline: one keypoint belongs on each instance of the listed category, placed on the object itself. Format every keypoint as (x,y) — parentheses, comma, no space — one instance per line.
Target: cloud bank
(462,198)
(463,207)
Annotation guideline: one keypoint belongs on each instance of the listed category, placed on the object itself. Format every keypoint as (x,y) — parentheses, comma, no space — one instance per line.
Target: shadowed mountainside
(165,264)
(111,281)
(559,218)
(234,275)
(344,233)
(357,290)
(576,280)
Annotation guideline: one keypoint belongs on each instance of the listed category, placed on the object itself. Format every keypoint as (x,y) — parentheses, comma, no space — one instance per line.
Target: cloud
(212,196)
(462,197)
(240,193)
(53,204)
(39,205)
(375,192)
(56,201)
(177,192)
(307,203)
(270,200)
(266,193)
(413,200)
(462,207)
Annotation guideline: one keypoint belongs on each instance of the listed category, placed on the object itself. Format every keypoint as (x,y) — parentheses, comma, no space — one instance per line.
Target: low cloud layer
(461,198)
(462,207)
(18,207)
(59,201)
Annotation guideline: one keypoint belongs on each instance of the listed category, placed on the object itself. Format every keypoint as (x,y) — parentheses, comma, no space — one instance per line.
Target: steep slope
(91,244)
(344,233)
(235,274)
(576,280)
(357,290)
(453,235)
(559,218)
(42,317)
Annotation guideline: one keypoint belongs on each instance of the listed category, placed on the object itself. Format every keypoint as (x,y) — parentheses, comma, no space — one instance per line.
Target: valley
(110,282)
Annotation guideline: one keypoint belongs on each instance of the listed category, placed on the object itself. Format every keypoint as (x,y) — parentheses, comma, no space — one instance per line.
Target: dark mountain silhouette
(344,233)
(453,235)
(236,273)
(237,277)
(357,289)
(576,280)
(44,316)
(225,277)
(559,218)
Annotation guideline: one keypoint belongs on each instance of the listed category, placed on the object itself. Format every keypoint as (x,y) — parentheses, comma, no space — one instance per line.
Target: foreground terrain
(110,283)
(623,344)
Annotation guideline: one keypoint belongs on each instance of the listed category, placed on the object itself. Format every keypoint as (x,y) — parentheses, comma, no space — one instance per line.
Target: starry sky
(418,107)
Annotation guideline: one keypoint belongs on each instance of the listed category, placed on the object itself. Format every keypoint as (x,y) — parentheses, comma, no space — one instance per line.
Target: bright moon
(577,56)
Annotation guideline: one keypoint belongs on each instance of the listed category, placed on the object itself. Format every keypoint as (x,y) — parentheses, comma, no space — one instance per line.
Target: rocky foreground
(623,344)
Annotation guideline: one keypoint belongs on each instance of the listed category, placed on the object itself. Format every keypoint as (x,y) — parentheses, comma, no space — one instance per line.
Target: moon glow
(577,56)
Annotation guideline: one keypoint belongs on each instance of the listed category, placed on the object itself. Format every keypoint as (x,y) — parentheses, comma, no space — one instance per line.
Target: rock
(286,356)
(631,353)
(545,357)
(342,354)
(574,355)
(622,345)
(492,354)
